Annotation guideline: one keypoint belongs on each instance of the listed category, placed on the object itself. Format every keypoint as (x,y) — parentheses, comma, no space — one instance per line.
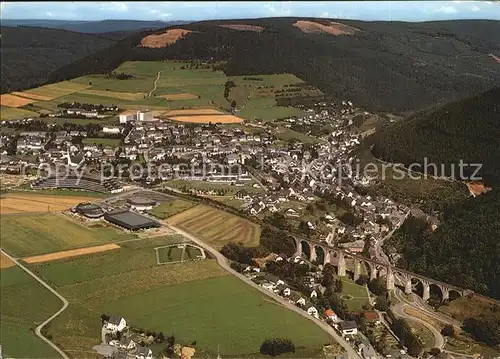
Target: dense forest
(389,66)
(29,55)
(467,130)
(464,250)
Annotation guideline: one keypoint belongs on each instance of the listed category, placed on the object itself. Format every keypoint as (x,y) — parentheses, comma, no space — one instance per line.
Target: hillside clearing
(334,28)
(207,119)
(169,37)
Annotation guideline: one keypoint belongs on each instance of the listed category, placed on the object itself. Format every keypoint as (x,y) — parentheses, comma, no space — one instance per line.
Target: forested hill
(464,251)
(391,66)
(29,55)
(467,130)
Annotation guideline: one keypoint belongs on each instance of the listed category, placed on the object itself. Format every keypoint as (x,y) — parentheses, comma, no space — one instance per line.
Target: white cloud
(324,14)
(447,10)
(475,8)
(278,10)
(49,14)
(114,6)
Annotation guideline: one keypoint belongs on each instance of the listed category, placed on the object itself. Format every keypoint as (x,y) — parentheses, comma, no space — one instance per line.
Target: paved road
(399,310)
(224,263)
(38,330)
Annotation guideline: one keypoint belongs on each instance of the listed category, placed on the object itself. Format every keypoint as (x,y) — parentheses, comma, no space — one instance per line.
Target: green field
(30,234)
(255,99)
(182,299)
(168,209)
(59,192)
(289,135)
(217,227)
(11,113)
(24,304)
(358,295)
(169,254)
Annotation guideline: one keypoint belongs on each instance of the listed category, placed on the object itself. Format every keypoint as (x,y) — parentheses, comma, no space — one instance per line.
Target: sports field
(24,304)
(34,234)
(179,298)
(29,202)
(217,227)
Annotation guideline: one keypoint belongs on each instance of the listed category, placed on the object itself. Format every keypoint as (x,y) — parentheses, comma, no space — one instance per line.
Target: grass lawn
(358,295)
(168,209)
(169,254)
(289,135)
(113,142)
(30,234)
(21,311)
(217,227)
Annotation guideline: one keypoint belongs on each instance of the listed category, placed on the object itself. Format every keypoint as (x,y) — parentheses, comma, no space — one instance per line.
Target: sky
(208,10)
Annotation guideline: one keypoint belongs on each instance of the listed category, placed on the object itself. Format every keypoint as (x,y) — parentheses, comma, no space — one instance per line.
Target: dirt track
(70,253)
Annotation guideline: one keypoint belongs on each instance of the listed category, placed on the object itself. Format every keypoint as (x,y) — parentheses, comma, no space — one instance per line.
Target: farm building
(115,323)
(142,204)
(88,210)
(130,220)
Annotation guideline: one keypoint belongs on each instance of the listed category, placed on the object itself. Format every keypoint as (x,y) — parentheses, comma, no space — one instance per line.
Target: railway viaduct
(338,256)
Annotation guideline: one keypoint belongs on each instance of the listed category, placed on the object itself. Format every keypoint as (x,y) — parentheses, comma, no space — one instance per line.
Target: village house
(123,343)
(115,324)
(348,328)
(331,315)
(143,353)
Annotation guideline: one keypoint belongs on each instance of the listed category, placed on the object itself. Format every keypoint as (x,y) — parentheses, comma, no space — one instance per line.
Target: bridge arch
(305,248)
(320,254)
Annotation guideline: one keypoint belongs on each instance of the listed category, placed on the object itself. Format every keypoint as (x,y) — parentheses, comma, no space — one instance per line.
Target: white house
(127,117)
(143,353)
(111,129)
(268,286)
(312,311)
(144,115)
(124,343)
(115,323)
(348,328)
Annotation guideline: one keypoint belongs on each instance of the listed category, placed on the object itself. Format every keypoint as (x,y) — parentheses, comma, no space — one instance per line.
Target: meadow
(217,227)
(176,89)
(32,234)
(21,310)
(180,298)
(170,208)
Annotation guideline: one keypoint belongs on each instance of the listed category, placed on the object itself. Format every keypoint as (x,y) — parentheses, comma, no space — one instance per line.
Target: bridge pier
(389,279)
(298,245)
(408,288)
(313,255)
(327,257)
(427,290)
(373,272)
(357,269)
(445,292)
(341,267)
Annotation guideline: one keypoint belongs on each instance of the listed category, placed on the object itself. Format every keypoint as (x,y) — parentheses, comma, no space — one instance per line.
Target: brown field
(217,227)
(31,96)
(163,40)
(5,262)
(25,203)
(130,96)
(180,96)
(242,27)
(335,28)
(14,101)
(208,118)
(70,253)
(192,111)
(58,89)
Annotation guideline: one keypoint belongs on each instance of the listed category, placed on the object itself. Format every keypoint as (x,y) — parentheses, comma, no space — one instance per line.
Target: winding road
(38,330)
(224,263)
(154,85)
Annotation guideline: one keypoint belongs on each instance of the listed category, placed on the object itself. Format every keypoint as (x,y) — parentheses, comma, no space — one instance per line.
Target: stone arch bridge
(337,257)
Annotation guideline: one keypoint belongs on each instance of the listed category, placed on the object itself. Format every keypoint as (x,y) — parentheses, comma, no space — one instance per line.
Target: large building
(89,210)
(142,204)
(130,220)
(145,115)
